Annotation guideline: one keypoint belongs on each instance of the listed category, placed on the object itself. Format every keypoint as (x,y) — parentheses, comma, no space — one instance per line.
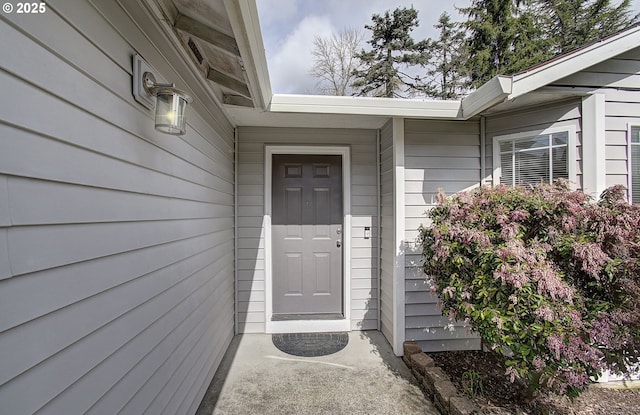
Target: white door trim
(302,326)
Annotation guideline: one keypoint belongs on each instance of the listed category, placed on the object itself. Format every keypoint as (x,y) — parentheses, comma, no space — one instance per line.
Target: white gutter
(390,107)
(494,91)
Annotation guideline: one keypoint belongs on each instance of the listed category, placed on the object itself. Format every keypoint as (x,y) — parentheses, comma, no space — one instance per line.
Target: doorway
(307,234)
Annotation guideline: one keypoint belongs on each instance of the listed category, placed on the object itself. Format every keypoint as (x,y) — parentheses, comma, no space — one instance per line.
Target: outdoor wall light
(170,102)
(171,105)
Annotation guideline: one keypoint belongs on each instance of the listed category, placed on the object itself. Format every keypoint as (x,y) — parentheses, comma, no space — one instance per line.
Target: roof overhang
(389,107)
(496,90)
(243,17)
(252,117)
(575,61)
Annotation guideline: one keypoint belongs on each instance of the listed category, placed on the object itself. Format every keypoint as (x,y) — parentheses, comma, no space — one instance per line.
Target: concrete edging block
(410,348)
(436,384)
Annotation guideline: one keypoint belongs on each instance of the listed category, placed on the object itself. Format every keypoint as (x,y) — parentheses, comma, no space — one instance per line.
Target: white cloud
(276,12)
(289,66)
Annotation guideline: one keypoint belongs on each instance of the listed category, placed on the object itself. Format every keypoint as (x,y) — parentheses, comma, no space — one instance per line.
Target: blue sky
(289,27)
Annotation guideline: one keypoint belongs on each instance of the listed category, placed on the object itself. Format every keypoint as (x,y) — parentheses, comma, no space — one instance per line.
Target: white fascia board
(575,62)
(391,107)
(495,90)
(243,15)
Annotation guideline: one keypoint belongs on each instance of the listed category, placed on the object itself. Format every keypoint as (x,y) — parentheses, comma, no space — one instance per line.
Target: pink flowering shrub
(545,276)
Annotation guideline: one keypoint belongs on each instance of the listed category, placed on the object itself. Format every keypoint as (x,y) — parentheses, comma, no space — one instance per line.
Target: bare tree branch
(334,61)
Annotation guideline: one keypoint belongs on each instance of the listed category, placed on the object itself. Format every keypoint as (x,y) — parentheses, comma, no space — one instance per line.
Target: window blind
(535,159)
(635,164)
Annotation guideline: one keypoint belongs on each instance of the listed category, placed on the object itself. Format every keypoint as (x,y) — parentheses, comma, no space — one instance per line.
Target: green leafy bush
(547,277)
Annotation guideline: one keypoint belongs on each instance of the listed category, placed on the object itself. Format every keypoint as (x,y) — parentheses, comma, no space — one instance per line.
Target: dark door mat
(310,344)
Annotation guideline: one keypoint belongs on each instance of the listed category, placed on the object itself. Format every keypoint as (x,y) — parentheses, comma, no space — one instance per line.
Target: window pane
(560,138)
(635,173)
(532,142)
(506,162)
(506,146)
(635,164)
(635,134)
(532,167)
(560,163)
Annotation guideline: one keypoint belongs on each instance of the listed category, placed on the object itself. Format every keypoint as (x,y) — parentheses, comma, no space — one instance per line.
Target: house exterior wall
(566,113)
(438,155)
(116,241)
(251,232)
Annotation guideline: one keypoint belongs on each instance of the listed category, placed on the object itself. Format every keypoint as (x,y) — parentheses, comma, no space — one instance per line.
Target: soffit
(206,34)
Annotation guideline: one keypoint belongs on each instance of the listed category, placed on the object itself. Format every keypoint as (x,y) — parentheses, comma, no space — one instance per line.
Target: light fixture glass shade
(171,106)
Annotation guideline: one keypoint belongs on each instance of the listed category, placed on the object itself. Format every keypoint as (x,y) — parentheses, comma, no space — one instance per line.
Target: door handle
(338,244)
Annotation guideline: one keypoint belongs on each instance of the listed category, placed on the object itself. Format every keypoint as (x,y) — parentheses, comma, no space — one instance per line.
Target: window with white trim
(531,158)
(634,182)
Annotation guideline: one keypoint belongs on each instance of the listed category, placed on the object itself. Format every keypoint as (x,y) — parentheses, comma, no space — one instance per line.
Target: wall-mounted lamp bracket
(140,93)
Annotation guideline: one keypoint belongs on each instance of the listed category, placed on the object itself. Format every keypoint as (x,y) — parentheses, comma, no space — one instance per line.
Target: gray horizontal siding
(621,72)
(116,242)
(251,264)
(438,155)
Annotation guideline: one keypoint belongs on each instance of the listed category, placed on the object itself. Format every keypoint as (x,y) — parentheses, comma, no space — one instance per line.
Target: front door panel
(307,234)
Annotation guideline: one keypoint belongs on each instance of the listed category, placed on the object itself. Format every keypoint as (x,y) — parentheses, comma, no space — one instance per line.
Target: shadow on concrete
(381,348)
(210,398)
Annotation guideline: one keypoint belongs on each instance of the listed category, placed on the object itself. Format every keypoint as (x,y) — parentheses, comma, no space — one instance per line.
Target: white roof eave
(243,16)
(390,107)
(494,91)
(577,61)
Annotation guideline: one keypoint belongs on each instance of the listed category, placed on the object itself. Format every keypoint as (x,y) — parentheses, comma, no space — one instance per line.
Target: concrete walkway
(363,378)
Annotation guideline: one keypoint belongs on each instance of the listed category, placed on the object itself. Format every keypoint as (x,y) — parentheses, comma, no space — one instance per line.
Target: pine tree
(447,75)
(574,23)
(491,27)
(504,37)
(508,36)
(392,48)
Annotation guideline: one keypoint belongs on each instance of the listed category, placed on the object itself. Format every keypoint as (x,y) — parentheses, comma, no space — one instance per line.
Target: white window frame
(571,148)
(630,145)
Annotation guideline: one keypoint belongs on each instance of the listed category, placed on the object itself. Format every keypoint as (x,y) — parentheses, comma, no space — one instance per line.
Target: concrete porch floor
(363,378)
